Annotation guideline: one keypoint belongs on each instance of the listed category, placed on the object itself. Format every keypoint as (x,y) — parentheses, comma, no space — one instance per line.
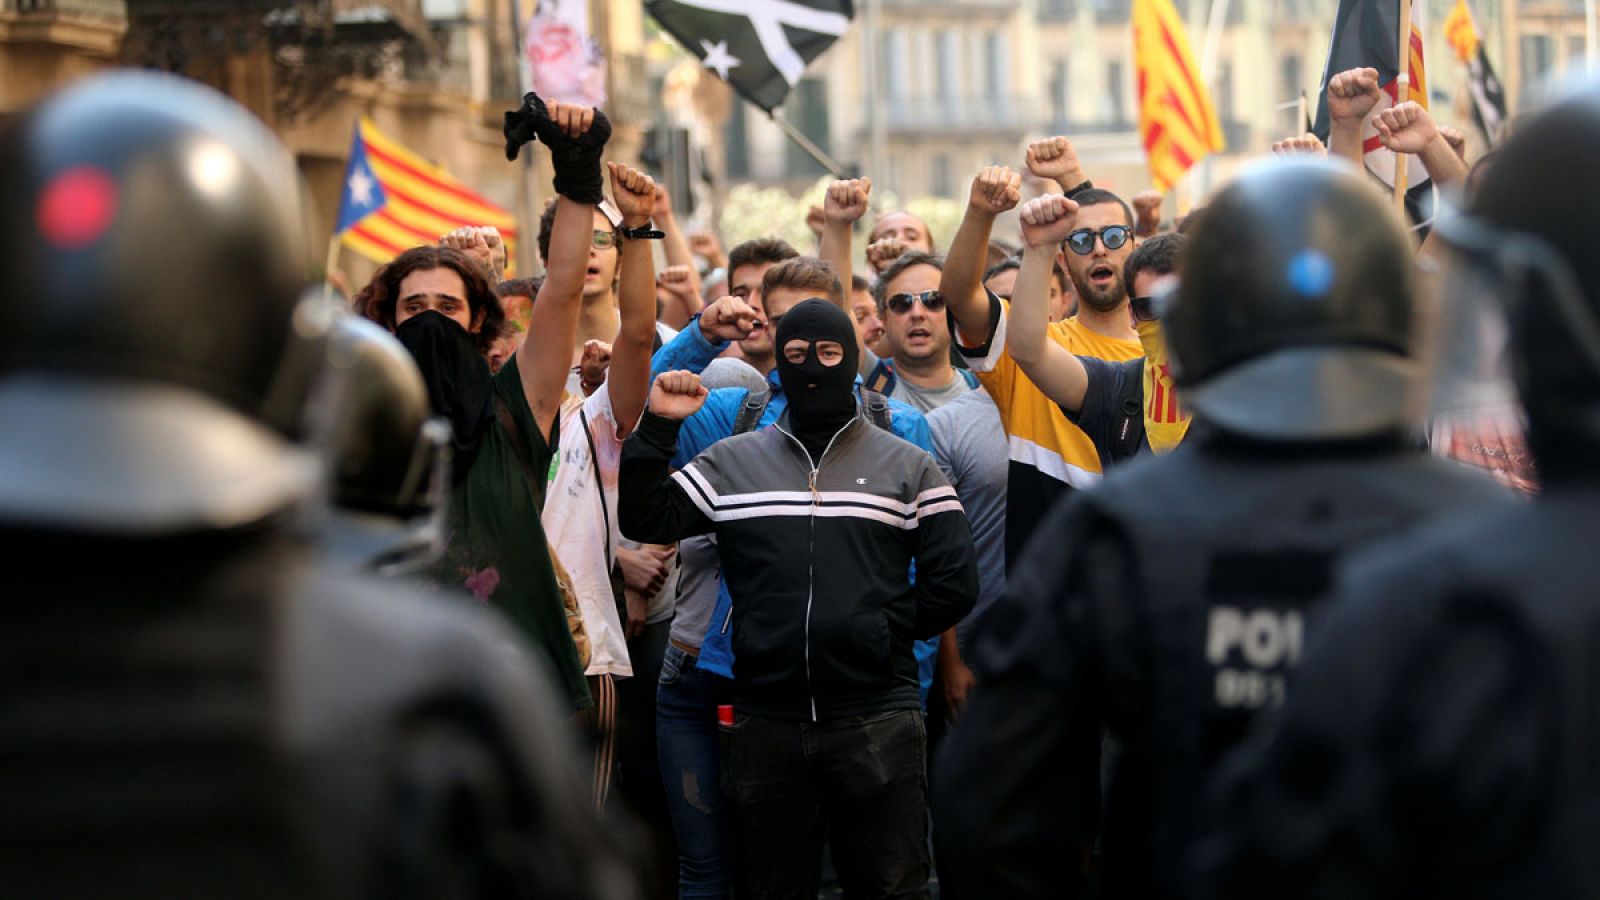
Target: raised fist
(995,190)
(846,201)
(593,365)
(883,252)
(1456,140)
(704,245)
(663,208)
(1352,94)
(1054,158)
(677,395)
(1306,144)
(676,279)
(1406,128)
(1146,212)
(570,118)
(728,319)
(1047,220)
(482,244)
(634,193)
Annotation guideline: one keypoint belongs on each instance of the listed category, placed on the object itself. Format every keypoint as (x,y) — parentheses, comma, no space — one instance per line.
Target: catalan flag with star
(1176,118)
(395,200)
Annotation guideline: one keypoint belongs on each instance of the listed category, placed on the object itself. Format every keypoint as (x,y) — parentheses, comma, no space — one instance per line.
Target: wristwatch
(645,232)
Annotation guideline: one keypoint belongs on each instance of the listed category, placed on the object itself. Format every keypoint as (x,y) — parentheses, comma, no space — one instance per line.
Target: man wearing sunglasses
(916,338)
(1170,605)
(1048,455)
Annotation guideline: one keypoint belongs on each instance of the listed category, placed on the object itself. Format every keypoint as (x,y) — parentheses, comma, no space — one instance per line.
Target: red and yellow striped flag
(395,200)
(1176,118)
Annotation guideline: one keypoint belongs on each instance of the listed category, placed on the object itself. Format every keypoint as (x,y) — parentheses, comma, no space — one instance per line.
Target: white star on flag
(361,188)
(717,58)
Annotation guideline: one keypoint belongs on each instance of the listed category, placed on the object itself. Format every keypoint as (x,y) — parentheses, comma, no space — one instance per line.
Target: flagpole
(1401,94)
(328,267)
(804,143)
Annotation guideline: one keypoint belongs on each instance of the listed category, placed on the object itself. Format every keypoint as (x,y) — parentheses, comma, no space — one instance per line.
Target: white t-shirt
(575,527)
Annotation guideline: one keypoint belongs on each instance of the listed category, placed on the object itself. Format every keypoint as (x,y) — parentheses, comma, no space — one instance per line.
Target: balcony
(960,114)
(96,26)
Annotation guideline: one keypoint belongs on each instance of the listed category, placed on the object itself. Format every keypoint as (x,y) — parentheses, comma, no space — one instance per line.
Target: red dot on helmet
(77,207)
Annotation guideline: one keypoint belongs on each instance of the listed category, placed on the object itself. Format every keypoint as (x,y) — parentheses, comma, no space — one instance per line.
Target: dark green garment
(497,547)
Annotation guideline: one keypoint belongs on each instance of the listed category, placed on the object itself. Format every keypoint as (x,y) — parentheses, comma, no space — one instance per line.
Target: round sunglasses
(1081,241)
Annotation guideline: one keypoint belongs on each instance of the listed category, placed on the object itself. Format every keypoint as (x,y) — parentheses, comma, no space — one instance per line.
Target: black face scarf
(821,398)
(458,382)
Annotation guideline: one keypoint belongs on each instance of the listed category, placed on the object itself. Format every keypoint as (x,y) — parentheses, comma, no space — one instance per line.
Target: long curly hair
(377,300)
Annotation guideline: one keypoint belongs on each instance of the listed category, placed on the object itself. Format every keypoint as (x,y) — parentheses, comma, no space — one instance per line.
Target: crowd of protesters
(989,572)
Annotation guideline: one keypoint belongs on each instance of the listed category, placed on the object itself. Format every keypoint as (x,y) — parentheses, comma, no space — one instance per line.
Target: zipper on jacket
(811,555)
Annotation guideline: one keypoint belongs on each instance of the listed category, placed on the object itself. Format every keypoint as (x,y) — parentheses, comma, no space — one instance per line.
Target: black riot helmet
(1293,319)
(389,455)
(1528,247)
(156,349)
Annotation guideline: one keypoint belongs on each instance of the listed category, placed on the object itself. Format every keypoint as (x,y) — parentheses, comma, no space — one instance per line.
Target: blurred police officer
(190,705)
(1191,580)
(1443,735)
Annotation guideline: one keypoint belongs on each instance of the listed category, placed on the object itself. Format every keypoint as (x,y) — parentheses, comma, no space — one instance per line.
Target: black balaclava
(458,381)
(821,398)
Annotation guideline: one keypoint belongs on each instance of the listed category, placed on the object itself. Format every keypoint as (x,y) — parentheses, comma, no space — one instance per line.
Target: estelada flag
(1366,34)
(395,200)
(1177,120)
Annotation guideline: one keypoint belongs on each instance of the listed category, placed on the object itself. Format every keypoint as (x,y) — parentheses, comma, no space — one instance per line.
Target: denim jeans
(686,745)
(859,781)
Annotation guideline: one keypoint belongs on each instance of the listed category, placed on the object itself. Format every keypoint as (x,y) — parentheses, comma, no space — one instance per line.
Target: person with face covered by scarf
(505,424)
(817,518)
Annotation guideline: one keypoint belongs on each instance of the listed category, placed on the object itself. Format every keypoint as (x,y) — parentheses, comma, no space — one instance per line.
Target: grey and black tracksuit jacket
(816,556)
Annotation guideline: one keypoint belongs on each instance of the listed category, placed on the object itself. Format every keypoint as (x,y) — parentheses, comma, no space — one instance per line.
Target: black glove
(520,124)
(577,160)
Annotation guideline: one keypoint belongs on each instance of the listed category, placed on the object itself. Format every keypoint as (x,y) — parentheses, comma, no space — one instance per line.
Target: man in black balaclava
(816,350)
(817,520)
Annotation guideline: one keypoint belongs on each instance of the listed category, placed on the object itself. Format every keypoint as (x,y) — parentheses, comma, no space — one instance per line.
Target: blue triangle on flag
(363,193)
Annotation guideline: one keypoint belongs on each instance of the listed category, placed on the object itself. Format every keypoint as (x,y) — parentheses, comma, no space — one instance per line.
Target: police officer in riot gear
(1441,739)
(190,704)
(390,459)
(1168,605)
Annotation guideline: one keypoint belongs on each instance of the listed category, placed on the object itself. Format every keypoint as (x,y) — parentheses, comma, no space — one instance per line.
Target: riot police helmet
(157,343)
(1293,319)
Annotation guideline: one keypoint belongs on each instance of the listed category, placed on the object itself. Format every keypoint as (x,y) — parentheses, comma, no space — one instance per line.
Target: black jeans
(862,781)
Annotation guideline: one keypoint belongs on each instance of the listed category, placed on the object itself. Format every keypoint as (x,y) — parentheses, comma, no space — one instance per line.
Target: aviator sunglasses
(1081,241)
(900,304)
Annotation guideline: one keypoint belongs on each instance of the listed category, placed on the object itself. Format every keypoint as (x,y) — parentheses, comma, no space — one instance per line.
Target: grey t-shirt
(969,444)
(924,400)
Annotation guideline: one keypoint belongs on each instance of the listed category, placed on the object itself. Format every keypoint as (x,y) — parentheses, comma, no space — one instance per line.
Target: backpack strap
(877,407)
(881,379)
(1130,416)
(750,411)
(969,377)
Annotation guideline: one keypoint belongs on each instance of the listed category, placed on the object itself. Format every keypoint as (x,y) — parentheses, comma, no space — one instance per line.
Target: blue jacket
(691,352)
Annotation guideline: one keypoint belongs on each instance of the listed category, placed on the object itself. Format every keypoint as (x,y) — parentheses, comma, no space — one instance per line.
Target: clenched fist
(728,319)
(883,252)
(1054,158)
(1047,220)
(482,244)
(677,395)
(1306,144)
(1406,128)
(846,201)
(1352,94)
(995,190)
(1146,213)
(634,192)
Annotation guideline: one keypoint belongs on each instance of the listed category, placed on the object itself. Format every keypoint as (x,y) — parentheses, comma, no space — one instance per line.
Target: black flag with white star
(760,47)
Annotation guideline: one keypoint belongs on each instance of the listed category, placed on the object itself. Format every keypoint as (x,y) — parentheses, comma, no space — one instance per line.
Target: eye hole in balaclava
(821,398)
